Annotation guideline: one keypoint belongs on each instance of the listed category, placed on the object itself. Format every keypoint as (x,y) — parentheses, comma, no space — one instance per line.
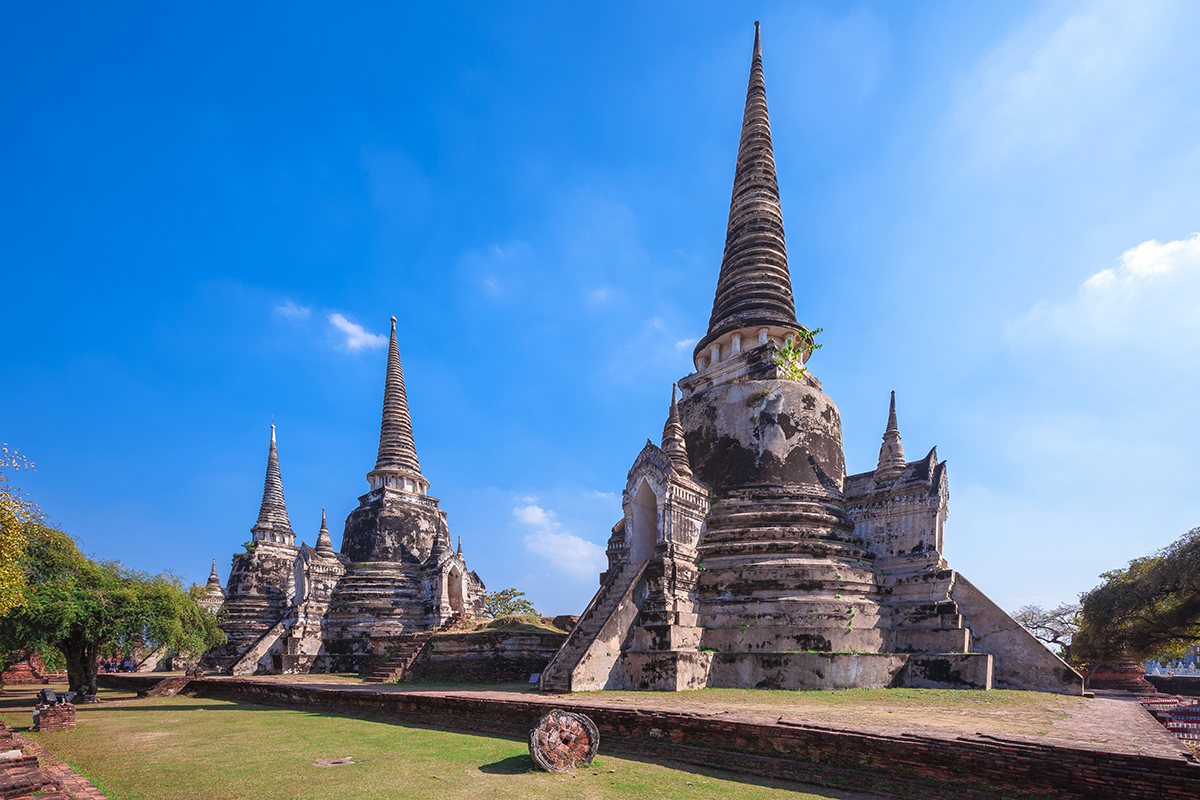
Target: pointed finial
(891,452)
(754,287)
(393,323)
(324,543)
(673,443)
(460,545)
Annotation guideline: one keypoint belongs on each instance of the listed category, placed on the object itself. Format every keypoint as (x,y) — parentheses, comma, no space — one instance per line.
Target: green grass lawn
(196,749)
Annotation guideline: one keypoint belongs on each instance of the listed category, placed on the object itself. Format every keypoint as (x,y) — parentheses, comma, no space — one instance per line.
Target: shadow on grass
(513,765)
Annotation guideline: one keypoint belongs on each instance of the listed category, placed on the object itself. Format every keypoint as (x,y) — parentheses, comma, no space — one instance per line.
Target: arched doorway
(454,593)
(644,535)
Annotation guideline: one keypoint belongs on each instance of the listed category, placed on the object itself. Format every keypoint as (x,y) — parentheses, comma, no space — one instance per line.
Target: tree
(86,608)
(1056,628)
(1150,609)
(17,515)
(507,602)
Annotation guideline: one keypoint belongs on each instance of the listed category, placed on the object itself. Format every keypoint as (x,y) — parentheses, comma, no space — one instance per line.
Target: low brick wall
(939,765)
(56,718)
(1176,684)
(488,656)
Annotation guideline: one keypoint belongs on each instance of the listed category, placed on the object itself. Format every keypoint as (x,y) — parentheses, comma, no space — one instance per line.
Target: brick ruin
(291,608)
(746,556)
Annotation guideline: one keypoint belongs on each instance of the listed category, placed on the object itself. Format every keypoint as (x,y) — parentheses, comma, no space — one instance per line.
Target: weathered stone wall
(257,597)
(393,526)
(488,656)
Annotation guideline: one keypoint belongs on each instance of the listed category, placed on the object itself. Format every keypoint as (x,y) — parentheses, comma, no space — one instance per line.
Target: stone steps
(411,651)
(557,677)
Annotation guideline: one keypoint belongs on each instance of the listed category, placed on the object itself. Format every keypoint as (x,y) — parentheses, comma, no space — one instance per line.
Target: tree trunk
(82,666)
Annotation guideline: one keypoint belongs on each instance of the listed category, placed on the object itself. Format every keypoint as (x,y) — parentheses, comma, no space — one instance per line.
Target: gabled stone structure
(303,609)
(802,577)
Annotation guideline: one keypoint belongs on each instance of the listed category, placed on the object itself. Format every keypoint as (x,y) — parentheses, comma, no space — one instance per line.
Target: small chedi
(746,556)
(291,608)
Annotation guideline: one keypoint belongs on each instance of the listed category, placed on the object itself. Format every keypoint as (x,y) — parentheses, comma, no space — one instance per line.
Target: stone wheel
(562,739)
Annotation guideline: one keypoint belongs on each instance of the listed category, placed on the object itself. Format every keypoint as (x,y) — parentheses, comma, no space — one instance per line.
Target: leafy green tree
(1149,609)
(86,608)
(1055,627)
(18,514)
(507,602)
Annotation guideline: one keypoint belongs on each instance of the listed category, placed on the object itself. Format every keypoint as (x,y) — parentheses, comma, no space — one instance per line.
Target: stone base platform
(683,670)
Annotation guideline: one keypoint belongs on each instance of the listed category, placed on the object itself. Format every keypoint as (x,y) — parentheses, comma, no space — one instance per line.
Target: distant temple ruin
(746,556)
(295,609)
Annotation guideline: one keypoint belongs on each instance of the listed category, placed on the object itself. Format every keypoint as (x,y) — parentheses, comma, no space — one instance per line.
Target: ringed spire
(273,524)
(396,464)
(754,288)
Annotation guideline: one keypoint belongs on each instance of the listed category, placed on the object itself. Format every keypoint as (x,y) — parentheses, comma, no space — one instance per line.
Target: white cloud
(599,295)
(684,344)
(565,551)
(1147,302)
(357,337)
(599,494)
(292,311)
(535,515)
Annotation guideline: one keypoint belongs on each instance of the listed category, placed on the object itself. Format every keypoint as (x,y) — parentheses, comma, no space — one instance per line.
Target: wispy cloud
(599,294)
(599,494)
(684,344)
(1060,80)
(565,551)
(357,337)
(296,313)
(1147,301)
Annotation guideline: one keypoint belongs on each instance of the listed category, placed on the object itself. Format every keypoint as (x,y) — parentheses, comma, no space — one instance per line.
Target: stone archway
(644,518)
(454,590)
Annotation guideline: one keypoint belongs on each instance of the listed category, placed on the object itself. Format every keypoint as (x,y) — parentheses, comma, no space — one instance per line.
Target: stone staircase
(557,675)
(411,650)
(248,664)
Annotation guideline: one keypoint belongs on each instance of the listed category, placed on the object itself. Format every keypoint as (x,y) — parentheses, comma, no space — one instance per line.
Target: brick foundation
(31,671)
(56,718)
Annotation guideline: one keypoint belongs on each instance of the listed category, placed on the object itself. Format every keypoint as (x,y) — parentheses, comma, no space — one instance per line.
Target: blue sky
(208,216)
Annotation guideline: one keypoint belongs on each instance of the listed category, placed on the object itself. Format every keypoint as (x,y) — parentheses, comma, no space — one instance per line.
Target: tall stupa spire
(891,452)
(324,543)
(396,464)
(754,289)
(214,580)
(273,524)
(672,439)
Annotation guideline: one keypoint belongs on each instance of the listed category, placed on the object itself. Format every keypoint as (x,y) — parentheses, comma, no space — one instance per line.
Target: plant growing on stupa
(790,357)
